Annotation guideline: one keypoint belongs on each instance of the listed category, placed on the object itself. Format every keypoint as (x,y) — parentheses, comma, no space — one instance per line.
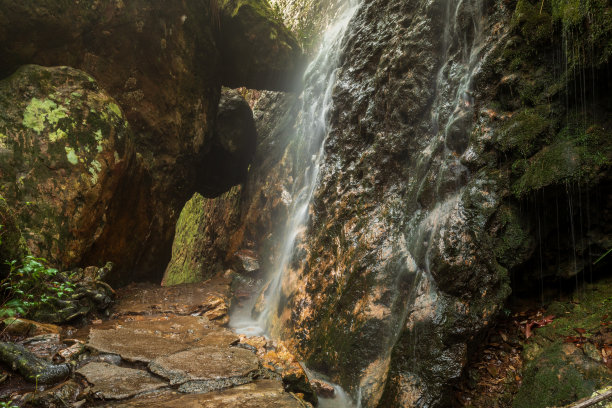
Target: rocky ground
(160,347)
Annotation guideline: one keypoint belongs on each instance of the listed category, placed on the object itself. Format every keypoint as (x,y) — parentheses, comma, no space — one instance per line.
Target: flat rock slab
(187,299)
(146,338)
(113,382)
(204,369)
(259,394)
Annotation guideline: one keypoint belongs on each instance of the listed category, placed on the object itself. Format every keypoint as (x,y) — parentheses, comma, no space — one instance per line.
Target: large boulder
(161,63)
(66,146)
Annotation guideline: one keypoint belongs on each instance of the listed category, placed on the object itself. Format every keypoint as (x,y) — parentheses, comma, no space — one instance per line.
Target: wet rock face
(397,273)
(65,148)
(415,224)
(161,64)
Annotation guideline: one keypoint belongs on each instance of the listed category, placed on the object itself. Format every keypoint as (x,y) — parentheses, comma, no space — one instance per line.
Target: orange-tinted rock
(27,328)
(210,297)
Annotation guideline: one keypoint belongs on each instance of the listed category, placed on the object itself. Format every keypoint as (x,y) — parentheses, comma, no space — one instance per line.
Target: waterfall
(310,134)
(410,291)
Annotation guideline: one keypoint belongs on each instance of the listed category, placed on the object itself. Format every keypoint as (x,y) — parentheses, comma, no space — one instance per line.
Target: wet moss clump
(551,381)
(524,132)
(576,155)
(586,26)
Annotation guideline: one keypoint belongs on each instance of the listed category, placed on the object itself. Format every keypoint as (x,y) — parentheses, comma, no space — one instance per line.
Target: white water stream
(310,134)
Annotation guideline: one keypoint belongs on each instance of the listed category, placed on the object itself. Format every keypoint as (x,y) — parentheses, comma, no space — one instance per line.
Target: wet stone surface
(265,393)
(163,347)
(214,364)
(112,382)
(209,299)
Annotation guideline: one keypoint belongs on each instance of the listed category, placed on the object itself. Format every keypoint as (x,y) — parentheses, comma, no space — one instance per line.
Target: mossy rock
(533,21)
(65,147)
(514,244)
(202,237)
(560,375)
(524,132)
(576,155)
(556,372)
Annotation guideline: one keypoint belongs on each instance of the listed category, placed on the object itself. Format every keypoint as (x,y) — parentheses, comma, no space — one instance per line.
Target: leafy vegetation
(30,286)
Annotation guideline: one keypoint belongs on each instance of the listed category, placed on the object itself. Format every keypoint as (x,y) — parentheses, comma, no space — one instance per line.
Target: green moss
(185,266)
(550,381)
(56,136)
(586,26)
(113,107)
(575,155)
(524,132)
(558,373)
(533,21)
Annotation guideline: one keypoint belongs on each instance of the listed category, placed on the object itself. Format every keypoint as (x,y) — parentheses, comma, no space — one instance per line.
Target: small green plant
(30,286)
(8,404)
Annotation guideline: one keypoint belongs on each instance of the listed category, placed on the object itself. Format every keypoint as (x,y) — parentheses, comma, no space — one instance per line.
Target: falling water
(311,130)
(462,58)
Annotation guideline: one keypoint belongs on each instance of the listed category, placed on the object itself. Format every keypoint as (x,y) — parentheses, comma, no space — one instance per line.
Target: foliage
(8,404)
(31,286)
